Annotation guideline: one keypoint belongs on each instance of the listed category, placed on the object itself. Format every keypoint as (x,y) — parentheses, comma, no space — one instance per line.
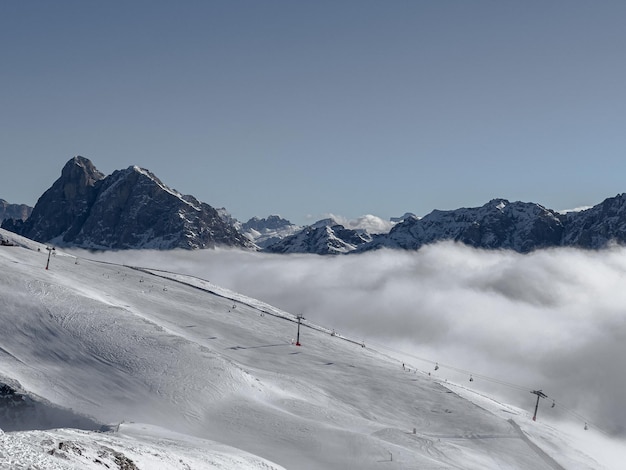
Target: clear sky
(307,108)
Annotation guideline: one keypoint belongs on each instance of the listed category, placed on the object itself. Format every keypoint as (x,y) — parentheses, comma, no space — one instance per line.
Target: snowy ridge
(122,345)
(164,187)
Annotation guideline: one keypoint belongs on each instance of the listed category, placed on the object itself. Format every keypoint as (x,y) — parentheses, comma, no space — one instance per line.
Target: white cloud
(576,209)
(371,223)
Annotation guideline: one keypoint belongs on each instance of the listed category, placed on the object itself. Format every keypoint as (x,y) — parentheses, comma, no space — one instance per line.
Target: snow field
(120,345)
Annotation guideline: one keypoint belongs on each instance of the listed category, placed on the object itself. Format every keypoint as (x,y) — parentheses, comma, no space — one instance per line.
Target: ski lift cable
(456,369)
(474,375)
(580,417)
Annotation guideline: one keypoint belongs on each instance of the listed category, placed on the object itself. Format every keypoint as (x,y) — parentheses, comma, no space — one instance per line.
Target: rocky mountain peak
(19,212)
(406,215)
(81,169)
(269,230)
(598,226)
(130,208)
(62,209)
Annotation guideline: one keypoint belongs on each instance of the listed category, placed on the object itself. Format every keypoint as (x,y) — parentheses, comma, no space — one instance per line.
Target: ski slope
(119,363)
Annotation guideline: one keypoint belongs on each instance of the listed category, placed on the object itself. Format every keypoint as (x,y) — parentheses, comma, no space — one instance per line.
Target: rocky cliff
(130,208)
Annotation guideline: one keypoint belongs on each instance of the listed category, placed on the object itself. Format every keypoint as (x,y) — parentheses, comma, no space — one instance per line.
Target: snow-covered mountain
(269,230)
(14,211)
(498,224)
(519,226)
(130,208)
(325,237)
(184,374)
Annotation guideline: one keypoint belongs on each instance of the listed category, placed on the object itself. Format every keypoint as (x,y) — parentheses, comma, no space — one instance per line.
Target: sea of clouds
(553,320)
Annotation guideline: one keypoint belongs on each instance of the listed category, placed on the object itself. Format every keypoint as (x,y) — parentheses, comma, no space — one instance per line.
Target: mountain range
(132,208)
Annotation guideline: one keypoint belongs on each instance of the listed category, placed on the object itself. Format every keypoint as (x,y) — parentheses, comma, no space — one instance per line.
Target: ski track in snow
(118,344)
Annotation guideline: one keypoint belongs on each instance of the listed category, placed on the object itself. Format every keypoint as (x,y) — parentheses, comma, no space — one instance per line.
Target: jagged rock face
(14,211)
(322,240)
(599,226)
(130,208)
(63,208)
(519,226)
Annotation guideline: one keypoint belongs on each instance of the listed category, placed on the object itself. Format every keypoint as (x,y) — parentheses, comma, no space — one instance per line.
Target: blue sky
(308,108)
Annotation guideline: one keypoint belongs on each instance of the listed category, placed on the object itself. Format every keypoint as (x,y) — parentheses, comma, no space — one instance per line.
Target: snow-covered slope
(180,355)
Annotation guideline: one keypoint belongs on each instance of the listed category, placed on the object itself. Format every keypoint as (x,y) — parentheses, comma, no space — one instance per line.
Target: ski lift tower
(50,250)
(539,394)
(300,318)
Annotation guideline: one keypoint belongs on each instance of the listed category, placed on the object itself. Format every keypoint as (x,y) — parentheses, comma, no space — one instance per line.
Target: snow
(132,446)
(190,375)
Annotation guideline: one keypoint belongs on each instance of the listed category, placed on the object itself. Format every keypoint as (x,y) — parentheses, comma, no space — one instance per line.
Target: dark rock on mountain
(272,222)
(406,215)
(323,238)
(130,208)
(598,226)
(228,218)
(14,211)
(63,208)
